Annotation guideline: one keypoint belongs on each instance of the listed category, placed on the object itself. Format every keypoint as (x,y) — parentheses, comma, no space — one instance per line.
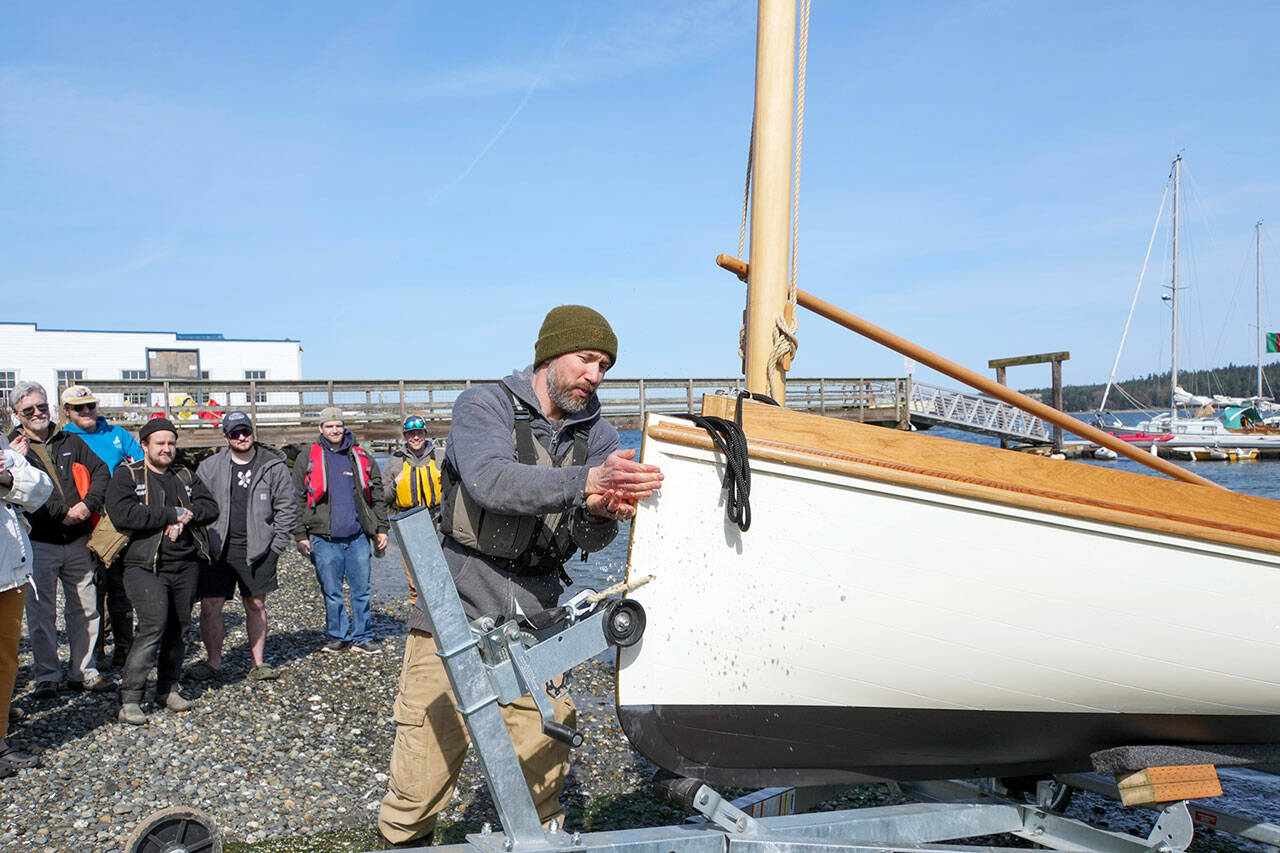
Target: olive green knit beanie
(569,328)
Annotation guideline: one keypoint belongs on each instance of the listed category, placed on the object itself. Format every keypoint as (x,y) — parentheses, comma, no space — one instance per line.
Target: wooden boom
(980,382)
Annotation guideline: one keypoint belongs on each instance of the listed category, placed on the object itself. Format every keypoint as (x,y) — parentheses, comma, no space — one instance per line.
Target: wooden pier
(288,411)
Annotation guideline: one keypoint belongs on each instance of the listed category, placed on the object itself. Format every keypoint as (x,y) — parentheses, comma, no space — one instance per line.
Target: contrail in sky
(492,141)
(537,81)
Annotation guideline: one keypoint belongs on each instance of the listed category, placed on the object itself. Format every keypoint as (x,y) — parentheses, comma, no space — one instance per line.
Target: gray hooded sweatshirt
(272,509)
(481,448)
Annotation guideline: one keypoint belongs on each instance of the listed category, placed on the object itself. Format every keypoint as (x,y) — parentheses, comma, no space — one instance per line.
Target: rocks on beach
(305,755)
(302,755)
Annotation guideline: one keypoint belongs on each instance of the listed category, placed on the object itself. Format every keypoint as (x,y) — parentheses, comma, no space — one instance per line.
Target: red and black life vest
(317,480)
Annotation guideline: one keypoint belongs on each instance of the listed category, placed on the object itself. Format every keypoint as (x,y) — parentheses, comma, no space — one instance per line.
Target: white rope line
(742,229)
(623,587)
(803,62)
(1115,366)
(784,344)
(746,190)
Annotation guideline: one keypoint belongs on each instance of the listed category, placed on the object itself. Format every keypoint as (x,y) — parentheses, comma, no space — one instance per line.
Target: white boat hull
(867,629)
(1195,433)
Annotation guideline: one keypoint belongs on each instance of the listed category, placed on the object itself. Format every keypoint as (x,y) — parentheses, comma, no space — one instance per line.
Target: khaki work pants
(431,742)
(10,631)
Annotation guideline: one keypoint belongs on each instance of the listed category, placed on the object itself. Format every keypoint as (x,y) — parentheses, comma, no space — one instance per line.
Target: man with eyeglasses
(257,509)
(59,542)
(113,445)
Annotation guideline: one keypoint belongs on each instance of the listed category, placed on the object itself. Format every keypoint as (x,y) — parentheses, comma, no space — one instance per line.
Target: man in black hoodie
(59,541)
(165,507)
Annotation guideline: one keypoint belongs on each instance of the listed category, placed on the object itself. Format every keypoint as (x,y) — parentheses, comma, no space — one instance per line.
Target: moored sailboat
(1203,434)
(900,606)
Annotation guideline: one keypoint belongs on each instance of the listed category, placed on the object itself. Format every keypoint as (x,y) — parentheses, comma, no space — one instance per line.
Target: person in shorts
(257,509)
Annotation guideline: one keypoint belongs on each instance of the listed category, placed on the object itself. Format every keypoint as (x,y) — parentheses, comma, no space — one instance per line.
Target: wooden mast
(770,189)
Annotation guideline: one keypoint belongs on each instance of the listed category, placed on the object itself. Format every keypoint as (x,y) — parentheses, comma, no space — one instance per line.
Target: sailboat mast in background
(1173,288)
(1257,285)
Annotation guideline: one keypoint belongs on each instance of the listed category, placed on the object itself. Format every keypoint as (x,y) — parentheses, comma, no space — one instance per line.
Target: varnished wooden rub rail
(996,491)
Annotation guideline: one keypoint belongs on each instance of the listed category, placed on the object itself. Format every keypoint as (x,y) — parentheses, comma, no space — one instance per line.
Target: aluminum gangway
(934,406)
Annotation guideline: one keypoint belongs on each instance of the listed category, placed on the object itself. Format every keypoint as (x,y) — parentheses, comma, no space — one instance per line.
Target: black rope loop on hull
(729,438)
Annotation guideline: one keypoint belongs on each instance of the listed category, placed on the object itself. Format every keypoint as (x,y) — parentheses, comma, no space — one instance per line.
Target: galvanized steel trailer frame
(490,664)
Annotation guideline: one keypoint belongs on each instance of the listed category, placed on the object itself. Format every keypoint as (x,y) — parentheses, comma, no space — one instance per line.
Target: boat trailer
(493,661)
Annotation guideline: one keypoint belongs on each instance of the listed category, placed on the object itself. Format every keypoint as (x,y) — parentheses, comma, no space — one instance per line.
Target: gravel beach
(276,764)
(304,755)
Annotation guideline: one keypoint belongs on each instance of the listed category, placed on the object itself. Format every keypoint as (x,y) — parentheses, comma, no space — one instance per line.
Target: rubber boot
(175,701)
(122,627)
(100,659)
(131,713)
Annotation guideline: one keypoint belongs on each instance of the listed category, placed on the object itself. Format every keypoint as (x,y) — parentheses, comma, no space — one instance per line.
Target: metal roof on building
(181,336)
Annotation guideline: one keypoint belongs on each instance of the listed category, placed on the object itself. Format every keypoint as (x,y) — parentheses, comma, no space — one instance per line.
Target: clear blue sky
(408,187)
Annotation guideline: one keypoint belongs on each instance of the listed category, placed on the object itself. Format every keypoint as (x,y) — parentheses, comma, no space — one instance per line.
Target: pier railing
(934,406)
(285,403)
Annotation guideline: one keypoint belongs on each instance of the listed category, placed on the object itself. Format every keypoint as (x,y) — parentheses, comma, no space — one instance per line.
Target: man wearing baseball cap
(342,518)
(113,445)
(257,509)
(533,474)
(60,531)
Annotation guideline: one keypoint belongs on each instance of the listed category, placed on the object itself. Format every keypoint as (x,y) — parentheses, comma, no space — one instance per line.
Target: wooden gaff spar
(905,606)
(979,382)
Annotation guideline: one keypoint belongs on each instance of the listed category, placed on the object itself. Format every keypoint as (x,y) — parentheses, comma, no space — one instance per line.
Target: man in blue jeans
(340,510)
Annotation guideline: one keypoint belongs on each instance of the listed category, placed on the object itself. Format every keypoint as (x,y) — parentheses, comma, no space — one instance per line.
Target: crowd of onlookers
(533,476)
(134,539)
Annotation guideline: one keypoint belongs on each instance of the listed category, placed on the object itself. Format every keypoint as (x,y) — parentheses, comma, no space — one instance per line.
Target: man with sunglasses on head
(113,445)
(257,509)
(59,541)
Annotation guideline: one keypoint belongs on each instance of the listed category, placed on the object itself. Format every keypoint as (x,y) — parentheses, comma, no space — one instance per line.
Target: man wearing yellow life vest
(533,474)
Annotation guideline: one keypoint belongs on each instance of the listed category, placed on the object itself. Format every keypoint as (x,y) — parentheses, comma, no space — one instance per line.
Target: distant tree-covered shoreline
(1234,380)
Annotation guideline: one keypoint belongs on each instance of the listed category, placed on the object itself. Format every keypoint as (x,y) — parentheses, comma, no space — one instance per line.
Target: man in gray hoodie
(257,509)
(533,475)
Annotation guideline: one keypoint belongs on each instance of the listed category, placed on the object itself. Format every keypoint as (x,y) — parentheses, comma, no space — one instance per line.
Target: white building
(59,357)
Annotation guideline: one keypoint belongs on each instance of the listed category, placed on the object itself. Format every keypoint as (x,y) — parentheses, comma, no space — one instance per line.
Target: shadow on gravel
(283,648)
(626,810)
(52,722)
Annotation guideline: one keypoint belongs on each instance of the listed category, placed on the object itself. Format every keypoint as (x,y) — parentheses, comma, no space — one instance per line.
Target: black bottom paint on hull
(760,746)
